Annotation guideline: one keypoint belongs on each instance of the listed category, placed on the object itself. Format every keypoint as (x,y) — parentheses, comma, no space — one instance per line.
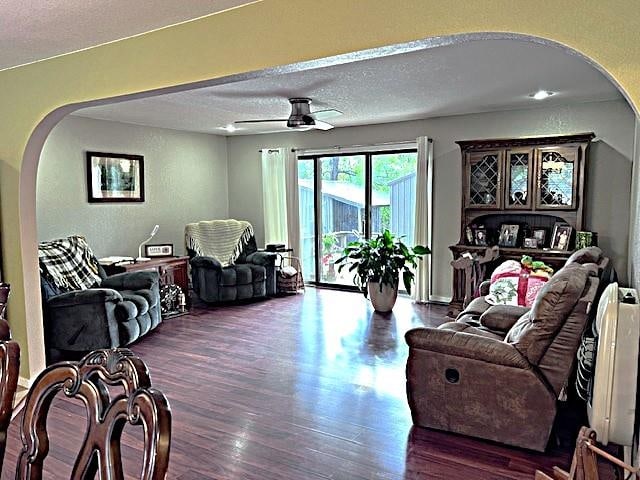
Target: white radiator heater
(612,405)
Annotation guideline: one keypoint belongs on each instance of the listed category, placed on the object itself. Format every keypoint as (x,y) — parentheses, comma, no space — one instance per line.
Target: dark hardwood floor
(303,387)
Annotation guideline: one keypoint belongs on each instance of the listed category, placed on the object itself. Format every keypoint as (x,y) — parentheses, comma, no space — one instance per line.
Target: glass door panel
(557,178)
(519,173)
(484,180)
(341,214)
(306,199)
(393,194)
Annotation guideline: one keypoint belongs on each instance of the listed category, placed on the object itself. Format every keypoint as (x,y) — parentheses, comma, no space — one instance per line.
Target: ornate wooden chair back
(107,413)
(9,371)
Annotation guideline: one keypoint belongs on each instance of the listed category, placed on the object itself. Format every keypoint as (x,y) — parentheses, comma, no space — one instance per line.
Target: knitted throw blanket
(69,263)
(223,240)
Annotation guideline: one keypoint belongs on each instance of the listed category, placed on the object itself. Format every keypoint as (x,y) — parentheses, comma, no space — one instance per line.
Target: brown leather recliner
(500,381)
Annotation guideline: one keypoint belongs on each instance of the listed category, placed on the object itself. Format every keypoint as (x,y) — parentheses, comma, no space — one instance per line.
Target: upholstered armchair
(84,309)
(500,380)
(225,271)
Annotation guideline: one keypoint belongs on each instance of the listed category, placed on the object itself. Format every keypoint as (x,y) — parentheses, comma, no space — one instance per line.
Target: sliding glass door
(342,214)
(349,196)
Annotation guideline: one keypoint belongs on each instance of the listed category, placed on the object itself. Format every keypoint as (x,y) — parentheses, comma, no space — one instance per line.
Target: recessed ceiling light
(229,128)
(541,94)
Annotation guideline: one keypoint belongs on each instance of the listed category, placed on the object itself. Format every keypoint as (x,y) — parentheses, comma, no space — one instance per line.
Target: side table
(172,270)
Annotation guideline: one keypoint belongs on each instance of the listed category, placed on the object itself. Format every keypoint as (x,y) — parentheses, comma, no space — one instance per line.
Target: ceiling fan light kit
(301,117)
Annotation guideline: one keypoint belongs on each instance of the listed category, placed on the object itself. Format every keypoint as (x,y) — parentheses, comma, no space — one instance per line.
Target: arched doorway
(36,141)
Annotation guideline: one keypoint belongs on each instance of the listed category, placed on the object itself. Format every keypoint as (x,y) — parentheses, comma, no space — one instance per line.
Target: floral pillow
(517,283)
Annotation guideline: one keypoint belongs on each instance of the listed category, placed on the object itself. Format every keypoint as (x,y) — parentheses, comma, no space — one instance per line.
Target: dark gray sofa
(114,313)
(253,275)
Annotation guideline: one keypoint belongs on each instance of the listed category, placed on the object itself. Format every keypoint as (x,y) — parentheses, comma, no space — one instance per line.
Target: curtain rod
(268,150)
(340,147)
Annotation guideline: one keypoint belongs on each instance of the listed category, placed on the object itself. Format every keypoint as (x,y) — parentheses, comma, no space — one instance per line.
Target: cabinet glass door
(484,179)
(557,178)
(519,172)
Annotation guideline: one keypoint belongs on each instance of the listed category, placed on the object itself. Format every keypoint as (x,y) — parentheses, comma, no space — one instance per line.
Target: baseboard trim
(438,299)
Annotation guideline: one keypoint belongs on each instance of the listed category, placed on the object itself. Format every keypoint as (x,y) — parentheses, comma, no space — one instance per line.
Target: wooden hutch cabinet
(531,182)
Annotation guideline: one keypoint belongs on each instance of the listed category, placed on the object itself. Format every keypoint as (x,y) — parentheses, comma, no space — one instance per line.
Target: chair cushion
(460,327)
(585,255)
(149,295)
(138,300)
(536,329)
(477,306)
(502,317)
(258,273)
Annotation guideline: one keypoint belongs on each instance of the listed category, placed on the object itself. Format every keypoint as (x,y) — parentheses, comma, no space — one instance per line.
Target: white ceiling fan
(301,117)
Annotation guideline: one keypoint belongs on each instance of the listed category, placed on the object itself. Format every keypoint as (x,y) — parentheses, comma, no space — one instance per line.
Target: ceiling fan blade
(320,125)
(325,114)
(262,121)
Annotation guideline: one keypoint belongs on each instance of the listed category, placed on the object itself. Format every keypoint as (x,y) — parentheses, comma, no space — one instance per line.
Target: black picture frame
(114,177)
(158,250)
(561,236)
(480,236)
(540,234)
(530,242)
(508,235)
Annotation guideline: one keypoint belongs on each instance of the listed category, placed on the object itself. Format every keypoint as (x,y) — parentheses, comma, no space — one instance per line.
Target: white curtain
(274,195)
(293,208)
(424,218)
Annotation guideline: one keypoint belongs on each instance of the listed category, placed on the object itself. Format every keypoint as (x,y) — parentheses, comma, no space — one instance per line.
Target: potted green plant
(377,264)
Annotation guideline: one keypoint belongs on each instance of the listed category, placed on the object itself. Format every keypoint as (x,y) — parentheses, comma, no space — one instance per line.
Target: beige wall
(185,180)
(609,178)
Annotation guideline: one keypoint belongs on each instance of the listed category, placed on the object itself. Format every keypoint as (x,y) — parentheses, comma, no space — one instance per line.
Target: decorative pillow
(517,283)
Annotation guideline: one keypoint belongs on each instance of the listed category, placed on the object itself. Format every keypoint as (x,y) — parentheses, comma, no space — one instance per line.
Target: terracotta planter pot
(382,301)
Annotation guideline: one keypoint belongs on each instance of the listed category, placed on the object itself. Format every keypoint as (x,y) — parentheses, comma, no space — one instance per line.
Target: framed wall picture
(115,177)
(508,235)
(561,236)
(160,250)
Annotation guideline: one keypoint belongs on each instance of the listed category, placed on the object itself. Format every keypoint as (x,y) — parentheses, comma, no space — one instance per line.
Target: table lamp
(140,258)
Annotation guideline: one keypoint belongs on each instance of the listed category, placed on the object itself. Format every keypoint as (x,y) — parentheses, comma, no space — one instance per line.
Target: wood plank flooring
(302,387)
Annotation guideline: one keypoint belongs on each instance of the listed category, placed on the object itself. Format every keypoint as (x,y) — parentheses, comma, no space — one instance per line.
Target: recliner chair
(114,312)
(251,275)
(501,380)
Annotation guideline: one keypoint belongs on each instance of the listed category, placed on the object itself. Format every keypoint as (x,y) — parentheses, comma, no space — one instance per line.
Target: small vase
(382,301)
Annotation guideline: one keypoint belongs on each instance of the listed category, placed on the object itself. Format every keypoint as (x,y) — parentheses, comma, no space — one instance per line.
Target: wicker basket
(289,283)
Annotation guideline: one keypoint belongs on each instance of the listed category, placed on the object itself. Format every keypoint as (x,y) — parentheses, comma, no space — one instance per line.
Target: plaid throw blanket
(223,240)
(69,263)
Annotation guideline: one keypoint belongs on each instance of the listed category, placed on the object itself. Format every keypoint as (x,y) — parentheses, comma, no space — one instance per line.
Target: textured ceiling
(33,30)
(479,76)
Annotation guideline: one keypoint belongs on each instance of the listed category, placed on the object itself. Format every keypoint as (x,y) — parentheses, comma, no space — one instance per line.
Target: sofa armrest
(85,320)
(483,288)
(466,345)
(83,297)
(143,280)
(502,317)
(205,262)
(266,259)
